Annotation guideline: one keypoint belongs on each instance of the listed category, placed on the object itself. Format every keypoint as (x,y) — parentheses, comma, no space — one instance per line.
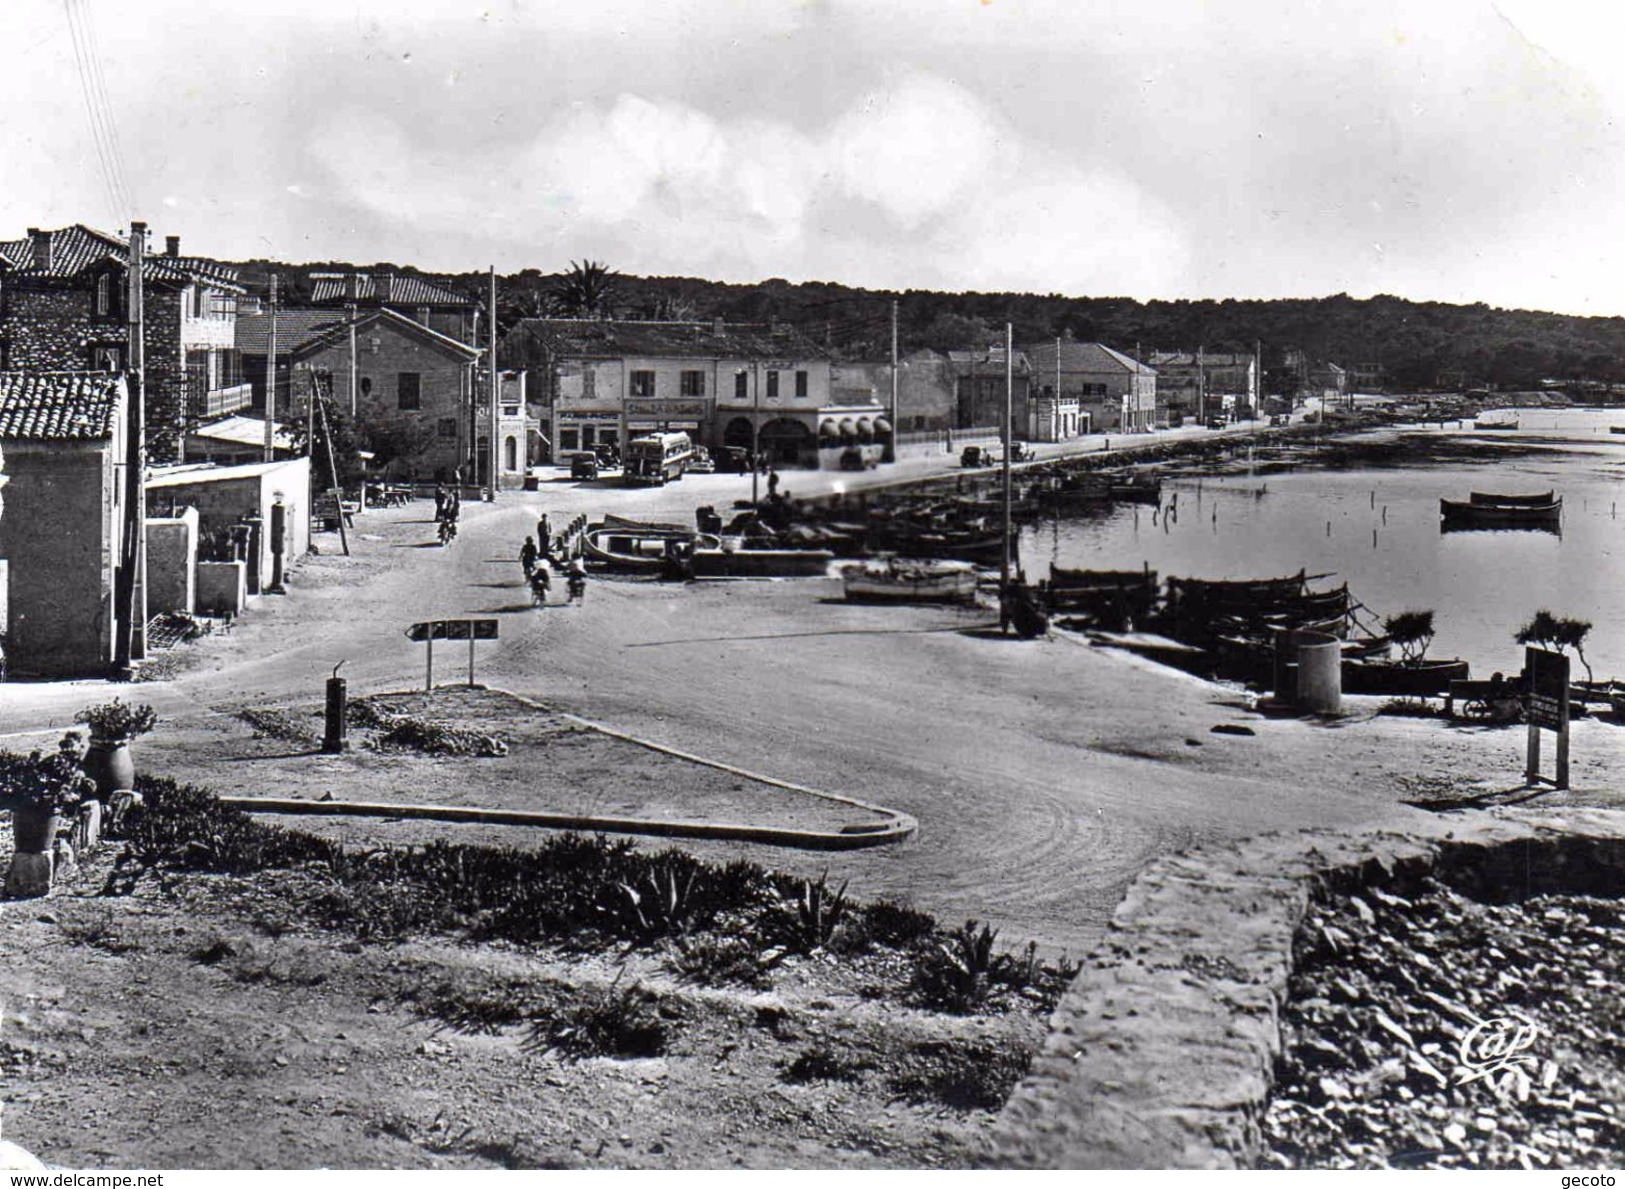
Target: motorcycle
(540,584)
(448,531)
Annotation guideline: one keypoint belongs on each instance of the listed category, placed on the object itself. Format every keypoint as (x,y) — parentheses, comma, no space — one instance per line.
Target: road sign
(1548,677)
(431,630)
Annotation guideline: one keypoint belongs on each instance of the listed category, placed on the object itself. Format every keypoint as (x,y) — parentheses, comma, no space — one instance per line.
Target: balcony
(221,402)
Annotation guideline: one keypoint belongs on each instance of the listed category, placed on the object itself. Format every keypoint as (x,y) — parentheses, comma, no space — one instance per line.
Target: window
(568,439)
(510,454)
(643,383)
(104,294)
(197,301)
(741,386)
(106,359)
(801,383)
(772,385)
(366,385)
(693,384)
(409,390)
(589,383)
(448,427)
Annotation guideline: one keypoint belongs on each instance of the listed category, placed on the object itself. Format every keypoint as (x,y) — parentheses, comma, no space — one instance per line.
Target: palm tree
(587,291)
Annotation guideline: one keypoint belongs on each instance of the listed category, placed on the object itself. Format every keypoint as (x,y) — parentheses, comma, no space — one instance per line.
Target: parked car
(733,460)
(584,465)
(609,458)
(1216,423)
(976,456)
(702,463)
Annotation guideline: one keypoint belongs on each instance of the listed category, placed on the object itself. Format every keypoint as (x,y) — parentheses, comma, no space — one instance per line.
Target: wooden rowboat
(910,580)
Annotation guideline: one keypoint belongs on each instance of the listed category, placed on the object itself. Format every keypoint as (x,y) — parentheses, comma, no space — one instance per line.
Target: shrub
(962,1076)
(956,973)
(408,733)
(895,925)
(615,1022)
(807,921)
(719,961)
(115,721)
(54,782)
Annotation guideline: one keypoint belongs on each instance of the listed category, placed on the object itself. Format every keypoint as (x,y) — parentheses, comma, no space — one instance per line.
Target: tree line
(1417,345)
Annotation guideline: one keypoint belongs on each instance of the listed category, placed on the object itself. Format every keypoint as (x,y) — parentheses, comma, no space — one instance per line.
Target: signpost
(1548,674)
(450,629)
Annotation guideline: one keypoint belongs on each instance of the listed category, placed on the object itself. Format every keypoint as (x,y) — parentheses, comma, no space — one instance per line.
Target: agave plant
(660,904)
(807,923)
(957,973)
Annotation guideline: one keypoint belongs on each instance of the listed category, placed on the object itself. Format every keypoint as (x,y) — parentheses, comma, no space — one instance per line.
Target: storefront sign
(665,408)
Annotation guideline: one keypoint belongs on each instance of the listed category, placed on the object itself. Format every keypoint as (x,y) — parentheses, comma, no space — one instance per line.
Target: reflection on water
(1378,529)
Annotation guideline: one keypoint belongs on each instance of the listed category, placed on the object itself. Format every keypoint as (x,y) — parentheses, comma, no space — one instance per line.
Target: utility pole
(1009,415)
(270,383)
(1057,406)
(755,428)
(492,455)
(129,644)
(352,288)
(896,426)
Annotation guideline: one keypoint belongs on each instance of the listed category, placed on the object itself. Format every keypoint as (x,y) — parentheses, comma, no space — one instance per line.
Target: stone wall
(172,562)
(1162,1053)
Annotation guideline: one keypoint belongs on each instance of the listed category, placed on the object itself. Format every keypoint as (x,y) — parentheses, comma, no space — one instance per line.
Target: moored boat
(1483,510)
(909,580)
(1401,678)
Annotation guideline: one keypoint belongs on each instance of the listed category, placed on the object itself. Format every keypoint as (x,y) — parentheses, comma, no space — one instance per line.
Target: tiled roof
(987,362)
(1083,357)
(600,339)
(59,406)
(332,287)
(294,328)
(339,333)
(1208,359)
(76,248)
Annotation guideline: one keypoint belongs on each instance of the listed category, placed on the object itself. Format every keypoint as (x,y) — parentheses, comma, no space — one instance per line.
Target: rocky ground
(1383,1050)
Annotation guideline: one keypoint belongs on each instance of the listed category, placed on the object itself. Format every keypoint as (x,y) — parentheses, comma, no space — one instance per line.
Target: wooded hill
(1418,345)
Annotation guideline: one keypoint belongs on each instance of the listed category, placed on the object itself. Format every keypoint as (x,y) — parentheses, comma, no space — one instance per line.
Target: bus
(657,458)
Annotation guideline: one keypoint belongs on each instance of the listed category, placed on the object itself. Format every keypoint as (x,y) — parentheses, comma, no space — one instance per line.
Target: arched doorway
(510,454)
(788,443)
(737,433)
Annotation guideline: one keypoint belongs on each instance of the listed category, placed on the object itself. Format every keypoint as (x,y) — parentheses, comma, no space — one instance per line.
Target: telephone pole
(270,383)
(129,642)
(492,454)
(895,424)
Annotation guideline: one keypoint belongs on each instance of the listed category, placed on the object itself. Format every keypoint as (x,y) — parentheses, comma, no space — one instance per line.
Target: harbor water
(1376,526)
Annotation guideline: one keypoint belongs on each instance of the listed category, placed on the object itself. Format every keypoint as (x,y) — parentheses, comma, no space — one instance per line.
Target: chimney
(380,286)
(41,243)
(172,245)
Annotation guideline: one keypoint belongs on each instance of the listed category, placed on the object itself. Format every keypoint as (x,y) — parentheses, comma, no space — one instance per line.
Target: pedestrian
(772,483)
(544,535)
(439,501)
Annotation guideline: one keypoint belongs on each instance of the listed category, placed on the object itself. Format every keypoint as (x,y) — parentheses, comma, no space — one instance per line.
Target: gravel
(1388,991)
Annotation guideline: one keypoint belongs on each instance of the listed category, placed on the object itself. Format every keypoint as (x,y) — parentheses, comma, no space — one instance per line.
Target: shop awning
(848,427)
(828,429)
(882,425)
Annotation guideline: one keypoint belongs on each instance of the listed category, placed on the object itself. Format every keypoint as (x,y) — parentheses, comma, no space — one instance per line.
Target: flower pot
(108,762)
(33,829)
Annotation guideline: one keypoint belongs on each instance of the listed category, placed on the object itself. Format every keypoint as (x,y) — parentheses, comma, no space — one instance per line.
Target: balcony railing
(221,402)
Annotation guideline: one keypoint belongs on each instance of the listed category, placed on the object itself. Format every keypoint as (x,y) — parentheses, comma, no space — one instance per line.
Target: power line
(90,110)
(94,104)
(87,21)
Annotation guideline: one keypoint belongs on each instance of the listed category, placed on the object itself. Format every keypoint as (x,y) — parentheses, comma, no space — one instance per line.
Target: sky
(1451,150)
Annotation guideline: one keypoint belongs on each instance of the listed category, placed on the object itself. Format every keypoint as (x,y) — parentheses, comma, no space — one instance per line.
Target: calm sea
(1376,526)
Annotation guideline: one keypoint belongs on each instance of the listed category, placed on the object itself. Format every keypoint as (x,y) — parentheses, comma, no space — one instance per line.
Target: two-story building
(1113,392)
(979,384)
(604,382)
(413,398)
(63,307)
(1201,384)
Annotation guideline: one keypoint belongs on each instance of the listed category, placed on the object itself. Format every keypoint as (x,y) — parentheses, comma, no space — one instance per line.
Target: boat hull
(910,582)
(1402,679)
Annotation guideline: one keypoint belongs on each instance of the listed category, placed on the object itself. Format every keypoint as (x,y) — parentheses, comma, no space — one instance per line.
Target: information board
(1548,688)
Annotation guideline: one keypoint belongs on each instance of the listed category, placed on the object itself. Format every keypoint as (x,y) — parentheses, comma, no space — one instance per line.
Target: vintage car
(584,465)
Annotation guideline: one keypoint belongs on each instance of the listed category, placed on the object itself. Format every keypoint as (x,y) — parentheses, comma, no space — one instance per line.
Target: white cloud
(922,178)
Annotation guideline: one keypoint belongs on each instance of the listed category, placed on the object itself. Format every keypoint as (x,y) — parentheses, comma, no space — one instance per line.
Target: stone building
(63,439)
(64,308)
(1114,393)
(979,381)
